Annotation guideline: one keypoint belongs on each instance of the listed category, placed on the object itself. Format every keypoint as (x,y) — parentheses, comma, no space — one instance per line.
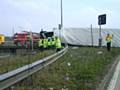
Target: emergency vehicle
(24,38)
(2,39)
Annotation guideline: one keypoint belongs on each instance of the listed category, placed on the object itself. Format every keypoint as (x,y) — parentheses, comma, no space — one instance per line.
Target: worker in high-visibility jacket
(45,43)
(40,43)
(109,40)
(49,42)
(58,44)
(52,42)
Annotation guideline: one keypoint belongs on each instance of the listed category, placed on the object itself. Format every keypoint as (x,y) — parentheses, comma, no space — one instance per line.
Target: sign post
(101,21)
(31,40)
(59,27)
(91,35)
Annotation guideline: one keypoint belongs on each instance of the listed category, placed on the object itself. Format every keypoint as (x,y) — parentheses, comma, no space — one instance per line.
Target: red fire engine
(24,38)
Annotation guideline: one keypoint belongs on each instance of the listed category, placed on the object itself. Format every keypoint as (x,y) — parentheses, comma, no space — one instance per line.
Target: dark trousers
(58,49)
(108,46)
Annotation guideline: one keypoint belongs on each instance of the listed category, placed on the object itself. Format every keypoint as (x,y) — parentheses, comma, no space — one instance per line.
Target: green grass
(14,62)
(85,73)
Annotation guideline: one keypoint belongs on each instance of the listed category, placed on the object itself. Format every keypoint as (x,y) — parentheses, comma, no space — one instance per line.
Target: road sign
(102,19)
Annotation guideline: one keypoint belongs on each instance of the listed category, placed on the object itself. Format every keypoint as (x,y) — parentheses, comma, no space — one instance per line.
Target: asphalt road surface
(117,86)
(115,81)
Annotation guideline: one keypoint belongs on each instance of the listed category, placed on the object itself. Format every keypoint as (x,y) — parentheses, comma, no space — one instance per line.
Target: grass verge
(81,68)
(14,62)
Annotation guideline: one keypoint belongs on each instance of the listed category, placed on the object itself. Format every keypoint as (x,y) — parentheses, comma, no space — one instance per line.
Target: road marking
(114,78)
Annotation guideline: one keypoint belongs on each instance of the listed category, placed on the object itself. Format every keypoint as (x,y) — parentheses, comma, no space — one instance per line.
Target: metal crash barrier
(12,77)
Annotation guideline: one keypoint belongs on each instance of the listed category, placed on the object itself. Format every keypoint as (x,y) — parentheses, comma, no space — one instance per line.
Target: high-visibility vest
(45,43)
(58,43)
(109,38)
(40,42)
(49,42)
(53,41)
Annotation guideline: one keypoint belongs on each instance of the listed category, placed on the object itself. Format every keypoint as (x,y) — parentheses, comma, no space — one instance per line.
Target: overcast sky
(37,14)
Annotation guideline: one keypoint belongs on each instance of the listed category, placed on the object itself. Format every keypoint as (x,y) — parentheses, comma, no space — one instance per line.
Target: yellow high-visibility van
(2,39)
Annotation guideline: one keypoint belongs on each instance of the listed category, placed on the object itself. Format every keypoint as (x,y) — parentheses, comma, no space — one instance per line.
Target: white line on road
(114,78)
